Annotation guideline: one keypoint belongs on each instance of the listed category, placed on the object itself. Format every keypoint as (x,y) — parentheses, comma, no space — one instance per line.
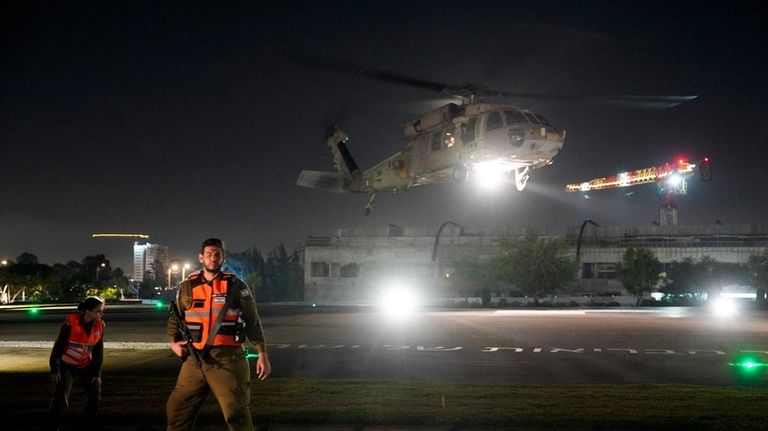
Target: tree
(284,275)
(30,275)
(535,266)
(705,275)
(250,265)
(279,277)
(638,271)
(476,273)
(682,278)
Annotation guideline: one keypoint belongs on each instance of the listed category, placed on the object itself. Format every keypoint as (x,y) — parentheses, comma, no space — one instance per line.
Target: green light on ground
(748,364)
(34,311)
(159,305)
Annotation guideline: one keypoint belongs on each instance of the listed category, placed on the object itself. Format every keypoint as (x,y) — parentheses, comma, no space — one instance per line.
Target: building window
(349,270)
(319,269)
(605,270)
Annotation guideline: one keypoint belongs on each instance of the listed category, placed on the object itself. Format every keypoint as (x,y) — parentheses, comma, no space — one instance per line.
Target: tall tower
(139,256)
(144,257)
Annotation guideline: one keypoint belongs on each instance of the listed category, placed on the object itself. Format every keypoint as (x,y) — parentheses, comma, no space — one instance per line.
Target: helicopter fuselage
(453,142)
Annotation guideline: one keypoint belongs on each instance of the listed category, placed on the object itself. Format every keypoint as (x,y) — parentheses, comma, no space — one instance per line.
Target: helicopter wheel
(460,173)
(521,178)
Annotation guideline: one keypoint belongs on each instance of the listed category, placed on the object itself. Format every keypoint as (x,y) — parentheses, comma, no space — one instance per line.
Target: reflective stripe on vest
(77,352)
(207,301)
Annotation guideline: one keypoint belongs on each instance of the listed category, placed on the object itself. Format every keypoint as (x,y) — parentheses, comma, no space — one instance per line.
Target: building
(602,248)
(145,255)
(356,265)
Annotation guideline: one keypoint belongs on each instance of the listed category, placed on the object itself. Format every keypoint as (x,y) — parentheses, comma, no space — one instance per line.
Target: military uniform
(78,351)
(224,369)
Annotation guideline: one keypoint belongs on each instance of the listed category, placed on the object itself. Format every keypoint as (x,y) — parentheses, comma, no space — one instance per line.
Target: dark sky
(169,118)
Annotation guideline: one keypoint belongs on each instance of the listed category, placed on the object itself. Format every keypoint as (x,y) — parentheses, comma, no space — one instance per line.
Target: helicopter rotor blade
(471,91)
(623,100)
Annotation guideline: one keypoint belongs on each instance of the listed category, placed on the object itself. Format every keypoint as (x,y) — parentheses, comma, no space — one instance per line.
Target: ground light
(749,366)
(34,311)
(724,307)
(159,305)
(398,302)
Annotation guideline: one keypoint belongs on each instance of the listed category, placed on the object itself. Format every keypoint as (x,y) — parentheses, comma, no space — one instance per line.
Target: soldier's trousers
(63,388)
(225,372)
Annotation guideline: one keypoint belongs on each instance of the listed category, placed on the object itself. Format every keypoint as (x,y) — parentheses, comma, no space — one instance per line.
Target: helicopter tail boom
(334,182)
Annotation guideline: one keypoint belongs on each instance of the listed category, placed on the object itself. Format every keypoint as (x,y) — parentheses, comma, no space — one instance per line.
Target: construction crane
(121,235)
(671,178)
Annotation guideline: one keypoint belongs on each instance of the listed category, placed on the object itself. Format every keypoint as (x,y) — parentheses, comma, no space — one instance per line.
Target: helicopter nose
(545,148)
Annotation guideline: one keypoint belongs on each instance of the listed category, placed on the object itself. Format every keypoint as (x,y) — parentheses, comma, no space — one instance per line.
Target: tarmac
(295,427)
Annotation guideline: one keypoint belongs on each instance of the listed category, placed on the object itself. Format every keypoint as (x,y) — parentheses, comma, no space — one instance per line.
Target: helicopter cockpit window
(542,120)
(515,117)
(436,141)
(531,117)
(493,121)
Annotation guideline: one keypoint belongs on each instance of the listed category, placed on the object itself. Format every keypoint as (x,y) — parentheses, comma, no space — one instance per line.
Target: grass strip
(139,402)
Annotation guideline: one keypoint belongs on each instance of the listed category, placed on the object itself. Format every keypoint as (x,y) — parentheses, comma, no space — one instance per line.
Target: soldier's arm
(250,315)
(58,347)
(183,299)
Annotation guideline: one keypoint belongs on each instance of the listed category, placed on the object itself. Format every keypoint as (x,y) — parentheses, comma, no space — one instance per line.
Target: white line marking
(117,345)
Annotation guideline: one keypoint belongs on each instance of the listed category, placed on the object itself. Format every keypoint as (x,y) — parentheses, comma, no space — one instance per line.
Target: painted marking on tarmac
(130,345)
(117,345)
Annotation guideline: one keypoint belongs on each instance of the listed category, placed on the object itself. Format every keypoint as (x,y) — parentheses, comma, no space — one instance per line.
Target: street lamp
(98,268)
(173,268)
(184,271)
(437,237)
(581,233)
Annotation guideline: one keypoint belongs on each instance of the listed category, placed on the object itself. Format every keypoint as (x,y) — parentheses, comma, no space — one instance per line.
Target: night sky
(173,118)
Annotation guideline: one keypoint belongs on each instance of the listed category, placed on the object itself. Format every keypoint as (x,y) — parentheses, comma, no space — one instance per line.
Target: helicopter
(456,142)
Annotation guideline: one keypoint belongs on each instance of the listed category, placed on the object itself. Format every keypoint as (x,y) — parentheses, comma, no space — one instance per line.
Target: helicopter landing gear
(369,205)
(460,173)
(521,177)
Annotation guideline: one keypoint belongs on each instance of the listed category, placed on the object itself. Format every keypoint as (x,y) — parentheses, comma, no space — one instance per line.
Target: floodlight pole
(578,242)
(437,237)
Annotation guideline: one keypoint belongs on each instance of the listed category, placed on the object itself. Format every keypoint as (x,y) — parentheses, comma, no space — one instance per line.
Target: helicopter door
(467,132)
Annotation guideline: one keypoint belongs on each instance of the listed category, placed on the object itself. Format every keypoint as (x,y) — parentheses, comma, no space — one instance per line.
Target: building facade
(145,255)
(355,265)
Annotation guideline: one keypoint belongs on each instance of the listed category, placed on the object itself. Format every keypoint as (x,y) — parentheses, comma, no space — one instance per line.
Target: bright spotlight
(674,180)
(724,307)
(490,174)
(399,302)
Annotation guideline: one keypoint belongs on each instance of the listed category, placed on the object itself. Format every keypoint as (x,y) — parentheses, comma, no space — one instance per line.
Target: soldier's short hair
(212,242)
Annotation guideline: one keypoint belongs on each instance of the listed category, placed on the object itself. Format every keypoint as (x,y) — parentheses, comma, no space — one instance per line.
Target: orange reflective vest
(208,299)
(77,352)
